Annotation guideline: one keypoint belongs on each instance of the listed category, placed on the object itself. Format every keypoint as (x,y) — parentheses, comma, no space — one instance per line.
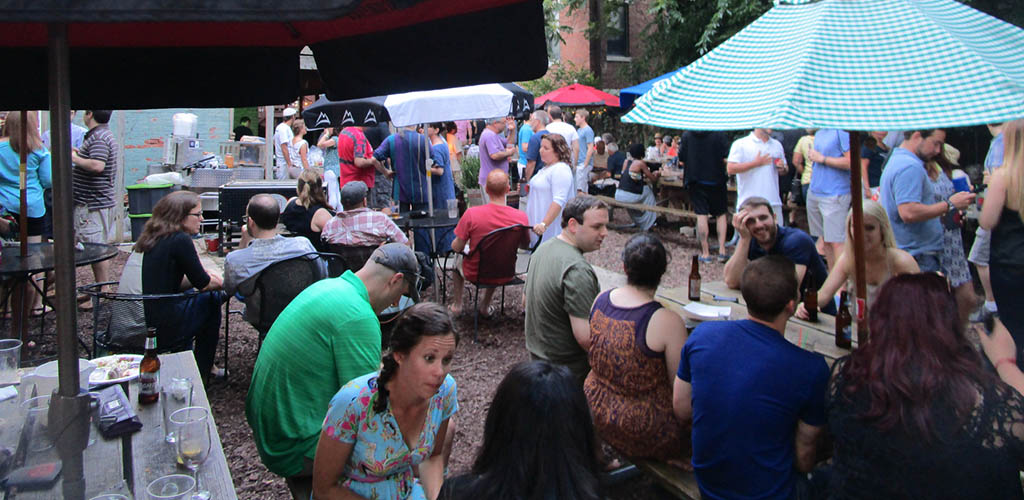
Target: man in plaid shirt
(359,225)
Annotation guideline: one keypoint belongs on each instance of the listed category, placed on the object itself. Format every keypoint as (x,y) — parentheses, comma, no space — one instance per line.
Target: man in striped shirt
(94,168)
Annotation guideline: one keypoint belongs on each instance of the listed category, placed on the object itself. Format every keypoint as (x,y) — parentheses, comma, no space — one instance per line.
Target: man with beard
(759,235)
(913,207)
(243,266)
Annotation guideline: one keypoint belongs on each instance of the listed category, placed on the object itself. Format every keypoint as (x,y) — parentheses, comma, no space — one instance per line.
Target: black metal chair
(501,247)
(119,321)
(352,257)
(278,284)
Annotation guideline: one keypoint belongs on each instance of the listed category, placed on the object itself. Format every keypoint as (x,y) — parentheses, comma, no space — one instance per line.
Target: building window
(618,36)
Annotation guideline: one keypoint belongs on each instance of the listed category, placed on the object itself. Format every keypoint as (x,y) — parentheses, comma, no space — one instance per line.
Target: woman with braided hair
(380,427)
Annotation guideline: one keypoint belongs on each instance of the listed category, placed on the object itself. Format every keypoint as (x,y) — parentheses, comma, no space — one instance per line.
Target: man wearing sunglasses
(328,335)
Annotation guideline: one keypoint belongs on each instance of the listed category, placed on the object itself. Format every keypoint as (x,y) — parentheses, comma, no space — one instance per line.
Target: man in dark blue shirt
(757,401)
(760,236)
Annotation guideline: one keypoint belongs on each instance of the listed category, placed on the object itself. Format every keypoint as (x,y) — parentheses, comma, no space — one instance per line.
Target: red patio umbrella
(577,95)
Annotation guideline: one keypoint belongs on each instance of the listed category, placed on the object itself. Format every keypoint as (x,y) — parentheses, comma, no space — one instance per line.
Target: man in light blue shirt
(586,135)
(525,133)
(828,199)
(983,239)
(77,134)
(913,207)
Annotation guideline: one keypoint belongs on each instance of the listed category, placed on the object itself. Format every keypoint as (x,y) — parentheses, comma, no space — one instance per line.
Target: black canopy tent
(134,54)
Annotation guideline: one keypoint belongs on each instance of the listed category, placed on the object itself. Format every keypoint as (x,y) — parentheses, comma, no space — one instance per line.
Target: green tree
(559,75)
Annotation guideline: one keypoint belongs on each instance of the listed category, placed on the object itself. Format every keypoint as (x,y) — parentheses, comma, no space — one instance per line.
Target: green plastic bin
(143,197)
(138,222)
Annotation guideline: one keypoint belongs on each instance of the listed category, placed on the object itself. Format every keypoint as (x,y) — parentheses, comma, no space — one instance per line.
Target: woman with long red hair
(914,413)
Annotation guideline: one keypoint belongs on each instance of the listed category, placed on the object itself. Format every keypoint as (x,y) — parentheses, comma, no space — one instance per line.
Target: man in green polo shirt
(328,335)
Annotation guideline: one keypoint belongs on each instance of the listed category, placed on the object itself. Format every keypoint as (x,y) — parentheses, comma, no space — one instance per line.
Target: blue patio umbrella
(630,94)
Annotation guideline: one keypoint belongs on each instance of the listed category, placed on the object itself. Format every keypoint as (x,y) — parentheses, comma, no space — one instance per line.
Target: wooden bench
(679,483)
(685,214)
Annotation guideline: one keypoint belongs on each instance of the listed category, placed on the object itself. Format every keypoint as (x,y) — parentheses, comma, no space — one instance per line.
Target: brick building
(604,57)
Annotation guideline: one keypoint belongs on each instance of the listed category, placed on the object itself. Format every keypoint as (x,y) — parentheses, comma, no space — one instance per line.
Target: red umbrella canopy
(129,54)
(577,94)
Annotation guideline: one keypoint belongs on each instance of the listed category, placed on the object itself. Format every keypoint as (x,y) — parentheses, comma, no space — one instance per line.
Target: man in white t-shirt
(282,137)
(557,126)
(757,160)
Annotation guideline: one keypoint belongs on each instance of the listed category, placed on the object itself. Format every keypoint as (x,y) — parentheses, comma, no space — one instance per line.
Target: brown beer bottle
(694,293)
(844,334)
(811,297)
(149,371)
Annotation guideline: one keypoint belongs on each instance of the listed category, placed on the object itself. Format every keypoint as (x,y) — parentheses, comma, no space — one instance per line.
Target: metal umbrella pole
(69,408)
(860,270)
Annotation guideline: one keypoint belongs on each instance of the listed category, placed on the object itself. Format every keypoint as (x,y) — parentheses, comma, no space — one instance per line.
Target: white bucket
(185,124)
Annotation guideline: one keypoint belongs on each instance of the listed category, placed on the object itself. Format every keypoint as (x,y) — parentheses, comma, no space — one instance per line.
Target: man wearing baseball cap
(328,335)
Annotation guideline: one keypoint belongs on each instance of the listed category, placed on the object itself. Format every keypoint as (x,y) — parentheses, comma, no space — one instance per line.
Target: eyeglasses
(197,214)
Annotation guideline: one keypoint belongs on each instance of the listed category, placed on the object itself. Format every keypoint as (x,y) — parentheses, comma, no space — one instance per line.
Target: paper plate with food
(115,369)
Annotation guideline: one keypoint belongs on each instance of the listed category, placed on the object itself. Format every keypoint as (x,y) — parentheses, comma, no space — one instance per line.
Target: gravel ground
(478,368)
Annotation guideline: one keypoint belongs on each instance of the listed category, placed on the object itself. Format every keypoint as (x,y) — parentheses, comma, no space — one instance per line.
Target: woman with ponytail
(384,425)
(308,213)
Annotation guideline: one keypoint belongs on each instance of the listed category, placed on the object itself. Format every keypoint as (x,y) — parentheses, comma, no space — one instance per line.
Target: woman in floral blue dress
(380,427)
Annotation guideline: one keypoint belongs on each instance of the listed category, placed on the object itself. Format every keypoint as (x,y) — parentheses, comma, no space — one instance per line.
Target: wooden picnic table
(129,464)
(816,337)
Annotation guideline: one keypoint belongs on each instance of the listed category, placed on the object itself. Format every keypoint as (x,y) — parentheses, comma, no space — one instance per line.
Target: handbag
(796,191)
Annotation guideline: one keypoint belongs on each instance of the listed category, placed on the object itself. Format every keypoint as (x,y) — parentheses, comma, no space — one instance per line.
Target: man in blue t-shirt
(757,401)
(538,121)
(913,207)
(759,236)
(523,142)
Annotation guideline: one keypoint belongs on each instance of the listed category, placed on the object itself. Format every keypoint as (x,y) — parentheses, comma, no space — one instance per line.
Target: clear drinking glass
(10,358)
(172,487)
(453,209)
(192,442)
(174,395)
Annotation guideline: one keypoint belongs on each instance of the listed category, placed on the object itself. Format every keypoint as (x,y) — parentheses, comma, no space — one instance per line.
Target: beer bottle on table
(844,334)
(694,293)
(149,371)
(811,297)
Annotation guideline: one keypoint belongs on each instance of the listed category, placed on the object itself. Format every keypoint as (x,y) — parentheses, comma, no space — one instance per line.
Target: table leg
(19,310)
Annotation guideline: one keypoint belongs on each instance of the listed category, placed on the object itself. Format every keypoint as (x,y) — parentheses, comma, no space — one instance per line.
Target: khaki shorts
(826,216)
(456,263)
(93,225)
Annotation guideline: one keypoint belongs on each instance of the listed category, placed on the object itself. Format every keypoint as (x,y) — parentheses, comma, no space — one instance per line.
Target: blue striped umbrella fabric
(849,64)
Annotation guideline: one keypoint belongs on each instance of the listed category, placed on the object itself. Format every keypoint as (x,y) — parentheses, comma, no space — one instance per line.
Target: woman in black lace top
(914,413)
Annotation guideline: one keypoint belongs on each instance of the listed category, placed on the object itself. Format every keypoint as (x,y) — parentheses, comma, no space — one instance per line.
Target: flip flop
(85,306)
(491,311)
(38,312)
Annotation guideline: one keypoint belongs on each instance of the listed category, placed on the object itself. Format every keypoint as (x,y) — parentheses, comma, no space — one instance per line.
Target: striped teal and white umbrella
(849,64)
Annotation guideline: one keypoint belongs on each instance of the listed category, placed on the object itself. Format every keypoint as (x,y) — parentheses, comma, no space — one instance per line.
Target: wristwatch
(950,206)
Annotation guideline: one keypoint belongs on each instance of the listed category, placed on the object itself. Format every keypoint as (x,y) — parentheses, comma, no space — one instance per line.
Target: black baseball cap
(400,259)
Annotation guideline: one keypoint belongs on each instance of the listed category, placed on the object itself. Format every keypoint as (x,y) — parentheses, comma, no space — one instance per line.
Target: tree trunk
(596,40)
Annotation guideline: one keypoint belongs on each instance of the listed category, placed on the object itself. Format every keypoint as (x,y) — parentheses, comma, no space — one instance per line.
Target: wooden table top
(128,465)
(816,337)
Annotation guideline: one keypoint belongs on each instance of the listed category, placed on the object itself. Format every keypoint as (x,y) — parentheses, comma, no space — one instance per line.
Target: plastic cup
(212,244)
(10,358)
(453,209)
(175,395)
(110,496)
(37,413)
(172,487)
(960,184)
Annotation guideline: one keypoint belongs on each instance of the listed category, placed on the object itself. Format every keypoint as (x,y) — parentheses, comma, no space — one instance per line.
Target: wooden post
(268,146)
(860,271)
(22,173)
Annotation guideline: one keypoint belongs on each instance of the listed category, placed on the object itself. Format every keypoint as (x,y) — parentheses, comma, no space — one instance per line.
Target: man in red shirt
(475,223)
(355,158)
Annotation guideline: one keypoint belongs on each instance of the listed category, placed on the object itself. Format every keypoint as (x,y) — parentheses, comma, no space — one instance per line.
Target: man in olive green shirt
(328,335)
(561,287)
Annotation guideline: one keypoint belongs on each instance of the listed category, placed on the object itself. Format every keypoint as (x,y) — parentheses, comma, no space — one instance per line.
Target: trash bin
(138,222)
(143,197)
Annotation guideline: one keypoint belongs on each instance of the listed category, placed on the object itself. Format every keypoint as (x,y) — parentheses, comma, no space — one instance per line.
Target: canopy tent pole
(860,271)
(268,146)
(69,407)
(19,296)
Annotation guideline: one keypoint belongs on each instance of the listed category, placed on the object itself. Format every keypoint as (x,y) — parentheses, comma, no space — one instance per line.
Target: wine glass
(192,441)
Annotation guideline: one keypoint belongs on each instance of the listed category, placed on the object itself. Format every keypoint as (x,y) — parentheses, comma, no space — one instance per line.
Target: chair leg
(227,334)
(476,313)
(502,301)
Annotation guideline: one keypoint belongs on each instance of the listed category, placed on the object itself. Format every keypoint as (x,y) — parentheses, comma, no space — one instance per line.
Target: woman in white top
(550,188)
(883,259)
(298,150)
